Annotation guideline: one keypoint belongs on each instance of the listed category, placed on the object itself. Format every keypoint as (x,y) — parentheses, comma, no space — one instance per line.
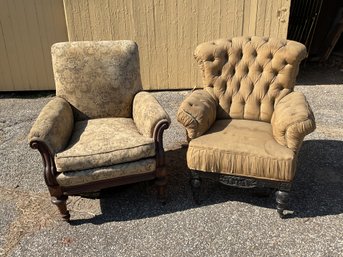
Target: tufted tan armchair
(101,129)
(247,125)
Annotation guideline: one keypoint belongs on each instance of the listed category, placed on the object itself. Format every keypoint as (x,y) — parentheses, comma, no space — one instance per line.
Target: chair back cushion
(249,75)
(99,79)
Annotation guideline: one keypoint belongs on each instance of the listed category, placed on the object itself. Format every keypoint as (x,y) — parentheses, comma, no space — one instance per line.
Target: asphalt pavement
(129,221)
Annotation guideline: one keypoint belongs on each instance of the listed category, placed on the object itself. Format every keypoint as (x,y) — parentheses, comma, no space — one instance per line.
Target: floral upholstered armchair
(247,125)
(100,130)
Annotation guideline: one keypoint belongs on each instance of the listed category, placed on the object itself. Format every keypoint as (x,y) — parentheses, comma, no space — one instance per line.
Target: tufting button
(226,57)
(211,58)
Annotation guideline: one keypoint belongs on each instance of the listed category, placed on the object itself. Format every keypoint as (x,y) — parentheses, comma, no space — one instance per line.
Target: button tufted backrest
(98,78)
(249,75)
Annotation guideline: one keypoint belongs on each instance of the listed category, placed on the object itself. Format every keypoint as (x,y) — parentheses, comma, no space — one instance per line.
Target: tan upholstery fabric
(242,147)
(104,142)
(147,112)
(53,125)
(249,75)
(81,177)
(99,79)
(292,120)
(260,122)
(197,113)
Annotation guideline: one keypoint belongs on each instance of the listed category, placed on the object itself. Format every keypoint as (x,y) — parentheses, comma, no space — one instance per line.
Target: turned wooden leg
(161,184)
(282,199)
(196,186)
(161,190)
(60,201)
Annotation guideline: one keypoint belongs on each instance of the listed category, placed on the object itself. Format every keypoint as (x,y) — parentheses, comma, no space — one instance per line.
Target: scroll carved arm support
(48,162)
(158,138)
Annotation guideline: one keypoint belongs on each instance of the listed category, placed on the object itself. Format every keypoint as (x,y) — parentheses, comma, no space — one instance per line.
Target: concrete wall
(167,32)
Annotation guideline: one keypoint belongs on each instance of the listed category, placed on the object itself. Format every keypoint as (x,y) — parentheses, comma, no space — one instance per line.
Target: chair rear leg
(196,186)
(161,184)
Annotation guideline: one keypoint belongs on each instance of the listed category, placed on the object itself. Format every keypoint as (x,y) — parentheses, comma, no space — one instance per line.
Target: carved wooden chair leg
(61,203)
(161,190)
(282,199)
(196,186)
(161,184)
(60,200)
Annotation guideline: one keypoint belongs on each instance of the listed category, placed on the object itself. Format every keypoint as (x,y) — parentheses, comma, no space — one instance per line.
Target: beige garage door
(167,31)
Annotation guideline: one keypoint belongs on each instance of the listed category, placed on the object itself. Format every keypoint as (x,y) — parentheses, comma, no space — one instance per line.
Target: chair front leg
(161,173)
(60,200)
(282,200)
(57,196)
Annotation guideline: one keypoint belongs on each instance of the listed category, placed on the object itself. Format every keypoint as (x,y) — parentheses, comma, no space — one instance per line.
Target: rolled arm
(292,120)
(53,126)
(147,113)
(197,113)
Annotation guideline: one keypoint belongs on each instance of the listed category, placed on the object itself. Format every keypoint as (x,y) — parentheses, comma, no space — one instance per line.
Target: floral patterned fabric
(75,178)
(147,112)
(54,125)
(99,79)
(104,142)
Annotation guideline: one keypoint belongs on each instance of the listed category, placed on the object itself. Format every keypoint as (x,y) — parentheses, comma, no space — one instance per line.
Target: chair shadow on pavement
(317,189)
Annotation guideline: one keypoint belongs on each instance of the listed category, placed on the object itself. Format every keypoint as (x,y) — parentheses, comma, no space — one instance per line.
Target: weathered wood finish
(161,173)
(28,28)
(282,193)
(59,195)
(168,31)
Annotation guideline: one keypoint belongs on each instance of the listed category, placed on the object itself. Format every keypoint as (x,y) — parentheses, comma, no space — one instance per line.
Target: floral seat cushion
(104,142)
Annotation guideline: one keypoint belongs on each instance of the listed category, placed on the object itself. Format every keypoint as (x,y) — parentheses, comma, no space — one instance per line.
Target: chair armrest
(147,113)
(292,120)
(197,113)
(54,125)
